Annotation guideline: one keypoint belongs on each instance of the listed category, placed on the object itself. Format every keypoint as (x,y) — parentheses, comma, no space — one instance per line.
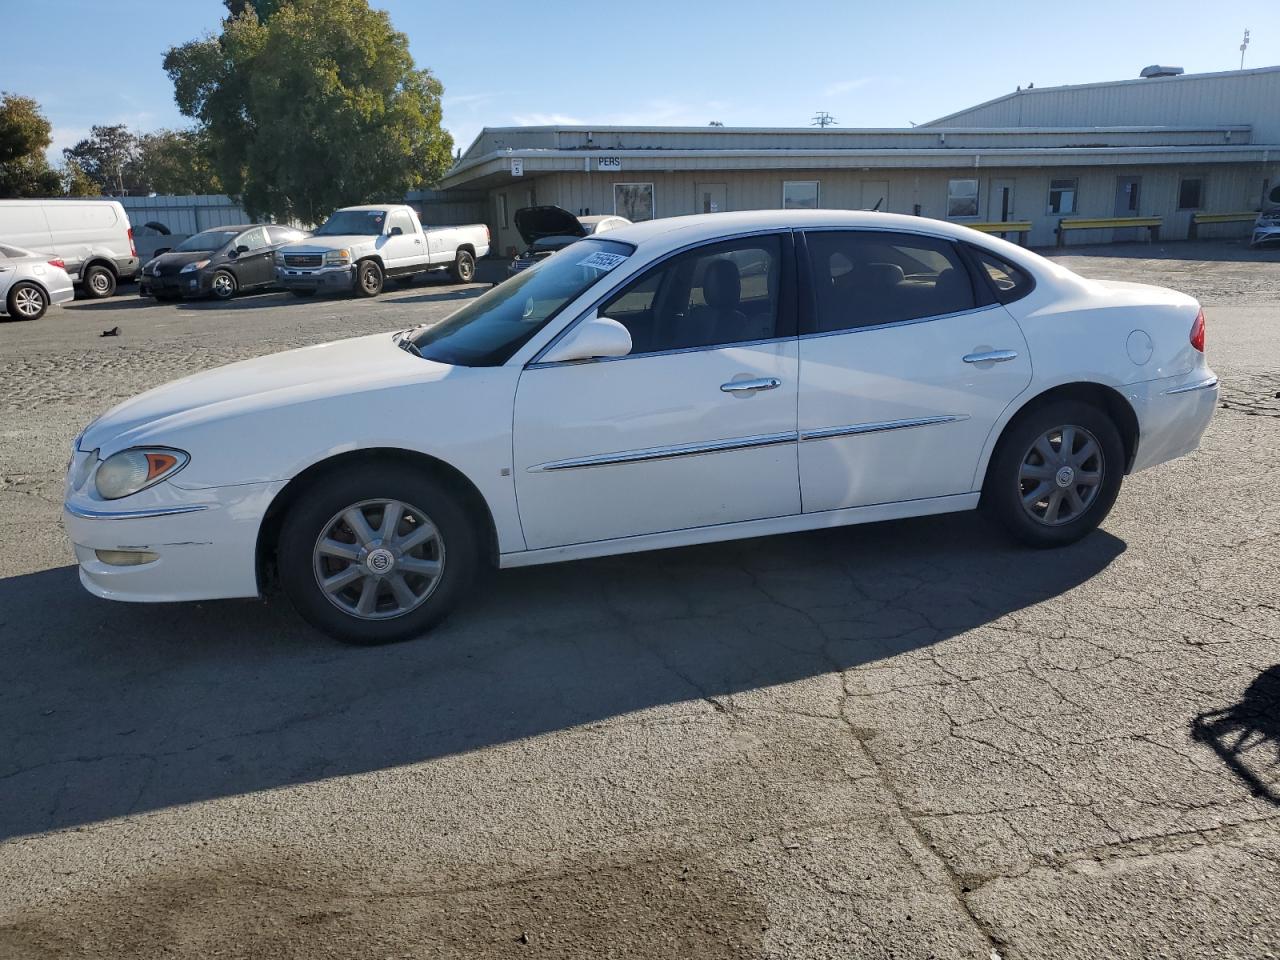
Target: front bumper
(194,284)
(1266,234)
(205,541)
(330,279)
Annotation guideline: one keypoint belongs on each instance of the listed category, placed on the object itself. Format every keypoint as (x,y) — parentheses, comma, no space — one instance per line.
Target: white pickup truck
(358,248)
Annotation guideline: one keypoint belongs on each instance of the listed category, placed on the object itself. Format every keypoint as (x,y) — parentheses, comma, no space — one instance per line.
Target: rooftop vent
(1155,70)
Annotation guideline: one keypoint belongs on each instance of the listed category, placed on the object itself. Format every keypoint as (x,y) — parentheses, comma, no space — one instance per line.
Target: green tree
(317,107)
(174,161)
(75,183)
(24,136)
(107,157)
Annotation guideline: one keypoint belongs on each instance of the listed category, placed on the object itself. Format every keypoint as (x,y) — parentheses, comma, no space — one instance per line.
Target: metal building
(1176,154)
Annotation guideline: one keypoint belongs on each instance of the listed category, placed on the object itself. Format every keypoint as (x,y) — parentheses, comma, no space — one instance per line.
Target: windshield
(204,242)
(365,223)
(490,329)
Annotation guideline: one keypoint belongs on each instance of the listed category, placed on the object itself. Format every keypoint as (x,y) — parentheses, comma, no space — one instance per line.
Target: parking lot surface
(902,740)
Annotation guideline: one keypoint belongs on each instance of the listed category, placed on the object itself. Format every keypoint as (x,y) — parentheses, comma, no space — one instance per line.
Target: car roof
(658,236)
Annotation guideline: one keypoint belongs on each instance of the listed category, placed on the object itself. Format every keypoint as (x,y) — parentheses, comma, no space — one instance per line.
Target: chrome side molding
(664,453)
(87,513)
(1205,384)
(853,429)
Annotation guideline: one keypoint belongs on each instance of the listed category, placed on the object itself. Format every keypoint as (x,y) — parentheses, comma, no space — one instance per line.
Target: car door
(906,363)
(695,427)
(256,265)
(403,249)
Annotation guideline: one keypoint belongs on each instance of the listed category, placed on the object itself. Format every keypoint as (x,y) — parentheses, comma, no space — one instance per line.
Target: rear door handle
(751,386)
(992,356)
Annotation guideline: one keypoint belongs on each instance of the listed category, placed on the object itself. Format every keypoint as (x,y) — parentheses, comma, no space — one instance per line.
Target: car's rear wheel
(99,282)
(1055,474)
(368,278)
(26,301)
(376,555)
(464,267)
(223,286)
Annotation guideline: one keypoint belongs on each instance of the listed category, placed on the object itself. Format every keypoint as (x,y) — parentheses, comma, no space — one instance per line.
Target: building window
(962,198)
(800,195)
(1190,193)
(1062,196)
(502,211)
(633,201)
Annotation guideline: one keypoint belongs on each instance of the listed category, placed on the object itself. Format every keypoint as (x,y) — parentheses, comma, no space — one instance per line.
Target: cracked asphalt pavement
(904,740)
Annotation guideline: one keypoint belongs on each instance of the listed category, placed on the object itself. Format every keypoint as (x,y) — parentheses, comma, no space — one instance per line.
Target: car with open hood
(548,229)
(218,263)
(678,381)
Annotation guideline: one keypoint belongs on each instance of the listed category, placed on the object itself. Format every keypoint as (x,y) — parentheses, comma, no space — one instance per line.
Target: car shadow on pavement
(110,709)
(1246,736)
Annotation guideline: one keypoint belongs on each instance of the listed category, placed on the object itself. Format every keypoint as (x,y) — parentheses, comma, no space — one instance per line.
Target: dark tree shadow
(108,709)
(1247,735)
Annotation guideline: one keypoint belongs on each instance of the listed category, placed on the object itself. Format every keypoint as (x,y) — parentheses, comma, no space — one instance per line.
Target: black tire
(369,278)
(464,267)
(98,282)
(1006,487)
(300,292)
(458,548)
(26,301)
(224,285)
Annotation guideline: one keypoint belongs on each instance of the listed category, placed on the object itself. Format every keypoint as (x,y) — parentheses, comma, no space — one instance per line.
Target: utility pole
(1244,44)
(823,119)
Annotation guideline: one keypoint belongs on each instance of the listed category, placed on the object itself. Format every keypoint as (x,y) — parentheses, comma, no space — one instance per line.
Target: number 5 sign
(517,166)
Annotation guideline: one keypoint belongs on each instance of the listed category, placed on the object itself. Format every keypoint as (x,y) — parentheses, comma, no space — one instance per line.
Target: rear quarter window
(1008,282)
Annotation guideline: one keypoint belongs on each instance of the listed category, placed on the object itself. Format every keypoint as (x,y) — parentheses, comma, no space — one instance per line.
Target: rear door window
(866,278)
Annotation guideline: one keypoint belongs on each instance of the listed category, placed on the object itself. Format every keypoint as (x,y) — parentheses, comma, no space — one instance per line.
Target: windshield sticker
(602,261)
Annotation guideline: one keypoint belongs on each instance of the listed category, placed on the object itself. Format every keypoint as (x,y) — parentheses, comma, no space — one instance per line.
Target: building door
(712,198)
(1001,200)
(1128,204)
(874,195)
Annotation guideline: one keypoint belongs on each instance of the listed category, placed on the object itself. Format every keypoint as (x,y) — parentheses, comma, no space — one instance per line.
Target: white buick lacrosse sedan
(674,382)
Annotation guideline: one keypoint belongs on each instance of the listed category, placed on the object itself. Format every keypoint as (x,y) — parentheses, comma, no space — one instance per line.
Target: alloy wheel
(223,285)
(1061,475)
(28,302)
(379,559)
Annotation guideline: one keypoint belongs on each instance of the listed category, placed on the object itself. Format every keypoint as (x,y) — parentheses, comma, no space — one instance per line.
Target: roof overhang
(494,168)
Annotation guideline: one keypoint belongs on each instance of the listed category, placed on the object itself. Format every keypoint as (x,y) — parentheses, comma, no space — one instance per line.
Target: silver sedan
(30,282)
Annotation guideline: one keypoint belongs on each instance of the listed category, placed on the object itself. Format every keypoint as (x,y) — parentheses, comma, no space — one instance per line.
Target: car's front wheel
(376,555)
(223,286)
(1055,474)
(368,278)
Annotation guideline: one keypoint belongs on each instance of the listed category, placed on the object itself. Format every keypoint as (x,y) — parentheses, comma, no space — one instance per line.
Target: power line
(823,119)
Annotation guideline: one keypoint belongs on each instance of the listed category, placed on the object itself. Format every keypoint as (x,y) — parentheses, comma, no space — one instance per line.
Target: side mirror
(239,250)
(594,337)
(397,232)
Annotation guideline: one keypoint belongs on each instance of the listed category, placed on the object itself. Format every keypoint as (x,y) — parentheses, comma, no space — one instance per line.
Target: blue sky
(744,63)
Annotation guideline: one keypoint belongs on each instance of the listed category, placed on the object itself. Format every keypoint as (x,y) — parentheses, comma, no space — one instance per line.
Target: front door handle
(992,356)
(751,386)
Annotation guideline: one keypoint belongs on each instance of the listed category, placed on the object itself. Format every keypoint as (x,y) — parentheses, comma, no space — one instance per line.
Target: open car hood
(549,221)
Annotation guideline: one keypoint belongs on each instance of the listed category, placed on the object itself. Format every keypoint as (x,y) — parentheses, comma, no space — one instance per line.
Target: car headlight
(193,267)
(125,473)
(337,258)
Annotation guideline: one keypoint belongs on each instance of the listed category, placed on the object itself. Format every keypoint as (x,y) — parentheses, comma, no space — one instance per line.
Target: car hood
(533,223)
(281,379)
(325,244)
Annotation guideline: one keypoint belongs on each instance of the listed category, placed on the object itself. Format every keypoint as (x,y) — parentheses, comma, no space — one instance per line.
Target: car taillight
(59,263)
(1197,331)
(133,251)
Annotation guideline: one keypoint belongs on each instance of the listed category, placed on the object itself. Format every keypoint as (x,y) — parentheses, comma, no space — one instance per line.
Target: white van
(93,238)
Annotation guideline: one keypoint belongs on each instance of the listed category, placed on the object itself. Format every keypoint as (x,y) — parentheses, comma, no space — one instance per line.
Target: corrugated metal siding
(1250,97)
(1226,189)
(184,214)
